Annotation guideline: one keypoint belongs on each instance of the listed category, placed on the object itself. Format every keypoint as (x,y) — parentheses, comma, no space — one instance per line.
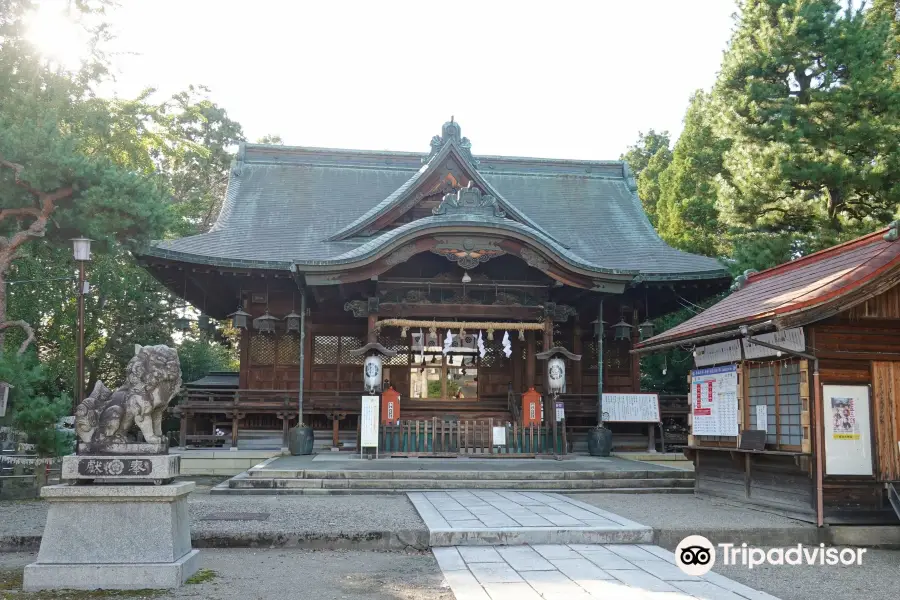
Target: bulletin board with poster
(848,430)
(714,401)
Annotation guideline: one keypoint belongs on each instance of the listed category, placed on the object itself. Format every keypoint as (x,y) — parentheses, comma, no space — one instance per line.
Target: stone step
(445,484)
(468,475)
(223,489)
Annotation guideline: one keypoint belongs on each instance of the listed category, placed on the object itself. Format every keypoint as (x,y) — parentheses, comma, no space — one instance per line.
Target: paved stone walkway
(579,572)
(480,517)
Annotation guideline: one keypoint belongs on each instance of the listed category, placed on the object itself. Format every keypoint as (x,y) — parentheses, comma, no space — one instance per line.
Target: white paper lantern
(556,371)
(372,373)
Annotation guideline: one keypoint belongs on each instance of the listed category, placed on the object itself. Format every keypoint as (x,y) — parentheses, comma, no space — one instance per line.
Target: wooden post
(235,420)
(529,360)
(182,430)
(635,358)
(335,441)
(577,349)
(372,334)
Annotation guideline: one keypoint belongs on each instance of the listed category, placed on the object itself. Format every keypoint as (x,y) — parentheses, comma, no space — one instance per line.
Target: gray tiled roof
(285,204)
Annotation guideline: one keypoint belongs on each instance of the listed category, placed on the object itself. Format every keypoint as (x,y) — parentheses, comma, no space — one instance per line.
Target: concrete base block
(111,576)
(114,536)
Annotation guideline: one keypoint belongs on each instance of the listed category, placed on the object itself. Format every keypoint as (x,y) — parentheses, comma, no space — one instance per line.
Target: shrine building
(321,256)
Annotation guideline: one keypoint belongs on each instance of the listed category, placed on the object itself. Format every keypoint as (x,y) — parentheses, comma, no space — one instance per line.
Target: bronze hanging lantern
(599,327)
(265,323)
(646,329)
(622,330)
(205,324)
(239,319)
(292,322)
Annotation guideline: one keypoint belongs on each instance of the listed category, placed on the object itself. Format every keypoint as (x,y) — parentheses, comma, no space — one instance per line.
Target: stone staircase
(265,481)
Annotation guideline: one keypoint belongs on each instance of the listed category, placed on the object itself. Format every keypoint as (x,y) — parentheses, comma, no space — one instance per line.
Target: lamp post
(81,250)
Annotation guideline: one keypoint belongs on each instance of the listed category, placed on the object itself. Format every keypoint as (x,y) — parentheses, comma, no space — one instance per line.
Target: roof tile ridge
(815,256)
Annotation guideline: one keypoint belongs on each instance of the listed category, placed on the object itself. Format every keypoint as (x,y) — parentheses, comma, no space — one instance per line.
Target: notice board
(848,430)
(368,422)
(635,408)
(714,404)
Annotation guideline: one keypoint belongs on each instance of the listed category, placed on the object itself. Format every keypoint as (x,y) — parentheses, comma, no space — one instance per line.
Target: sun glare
(58,37)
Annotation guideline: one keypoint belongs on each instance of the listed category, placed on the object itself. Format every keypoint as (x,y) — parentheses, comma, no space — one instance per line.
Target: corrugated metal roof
(284,204)
(805,283)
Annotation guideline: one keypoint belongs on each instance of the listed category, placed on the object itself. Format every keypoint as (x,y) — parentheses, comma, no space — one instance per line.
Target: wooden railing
(437,437)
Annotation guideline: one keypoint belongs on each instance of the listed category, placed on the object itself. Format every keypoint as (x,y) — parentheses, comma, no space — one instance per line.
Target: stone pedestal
(114,537)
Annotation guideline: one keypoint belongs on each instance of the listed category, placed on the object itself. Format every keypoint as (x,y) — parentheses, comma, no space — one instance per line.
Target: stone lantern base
(114,537)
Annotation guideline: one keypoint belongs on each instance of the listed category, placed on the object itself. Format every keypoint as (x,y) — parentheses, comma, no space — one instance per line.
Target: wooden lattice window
(397,344)
(777,386)
(289,350)
(326,349)
(262,350)
(348,343)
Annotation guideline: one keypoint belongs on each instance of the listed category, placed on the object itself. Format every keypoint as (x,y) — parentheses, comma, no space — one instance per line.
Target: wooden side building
(355,240)
(816,348)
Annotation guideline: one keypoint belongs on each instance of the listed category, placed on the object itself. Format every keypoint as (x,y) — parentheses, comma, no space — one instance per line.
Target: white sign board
(368,422)
(499,436)
(714,401)
(640,408)
(762,417)
(717,354)
(792,339)
(848,433)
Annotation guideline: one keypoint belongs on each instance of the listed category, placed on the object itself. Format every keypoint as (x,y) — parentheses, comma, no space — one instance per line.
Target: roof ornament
(741,280)
(469,200)
(892,234)
(451,132)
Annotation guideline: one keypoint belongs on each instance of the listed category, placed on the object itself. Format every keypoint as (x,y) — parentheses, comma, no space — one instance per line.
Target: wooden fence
(437,437)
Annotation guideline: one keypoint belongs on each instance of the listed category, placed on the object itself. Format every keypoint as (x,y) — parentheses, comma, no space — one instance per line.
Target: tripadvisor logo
(696,555)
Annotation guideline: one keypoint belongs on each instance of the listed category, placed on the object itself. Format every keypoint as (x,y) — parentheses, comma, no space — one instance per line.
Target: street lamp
(81,251)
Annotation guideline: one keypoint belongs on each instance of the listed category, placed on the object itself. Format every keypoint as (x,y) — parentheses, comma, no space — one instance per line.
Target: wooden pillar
(635,358)
(577,349)
(548,343)
(529,360)
(182,429)
(335,440)
(235,420)
(372,335)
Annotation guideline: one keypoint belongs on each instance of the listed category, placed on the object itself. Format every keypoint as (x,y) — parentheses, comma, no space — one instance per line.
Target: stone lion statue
(153,378)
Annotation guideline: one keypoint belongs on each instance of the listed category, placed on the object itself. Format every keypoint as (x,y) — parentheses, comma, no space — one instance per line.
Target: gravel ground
(877,577)
(287,514)
(282,575)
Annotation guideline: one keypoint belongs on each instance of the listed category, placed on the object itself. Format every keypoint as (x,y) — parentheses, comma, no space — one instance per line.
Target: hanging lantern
(372,373)
(239,319)
(265,323)
(556,372)
(646,329)
(599,327)
(622,330)
(183,324)
(292,322)
(204,323)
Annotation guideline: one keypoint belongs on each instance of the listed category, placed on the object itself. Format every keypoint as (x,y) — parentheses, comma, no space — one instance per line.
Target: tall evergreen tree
(687,215)
(808,95)
(647,159)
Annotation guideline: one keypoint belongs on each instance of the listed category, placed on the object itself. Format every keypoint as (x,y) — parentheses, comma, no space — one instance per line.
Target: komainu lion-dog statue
(153,378)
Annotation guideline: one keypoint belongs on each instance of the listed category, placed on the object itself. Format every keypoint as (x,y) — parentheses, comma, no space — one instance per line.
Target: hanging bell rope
(462,325)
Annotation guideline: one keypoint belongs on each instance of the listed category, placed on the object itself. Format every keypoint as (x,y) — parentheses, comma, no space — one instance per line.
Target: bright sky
(560,79)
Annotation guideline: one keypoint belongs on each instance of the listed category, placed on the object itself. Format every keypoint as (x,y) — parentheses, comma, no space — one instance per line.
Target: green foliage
(808,96)
(200,356)
(37,407)
(434,388)
(647,159)
(687,215)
